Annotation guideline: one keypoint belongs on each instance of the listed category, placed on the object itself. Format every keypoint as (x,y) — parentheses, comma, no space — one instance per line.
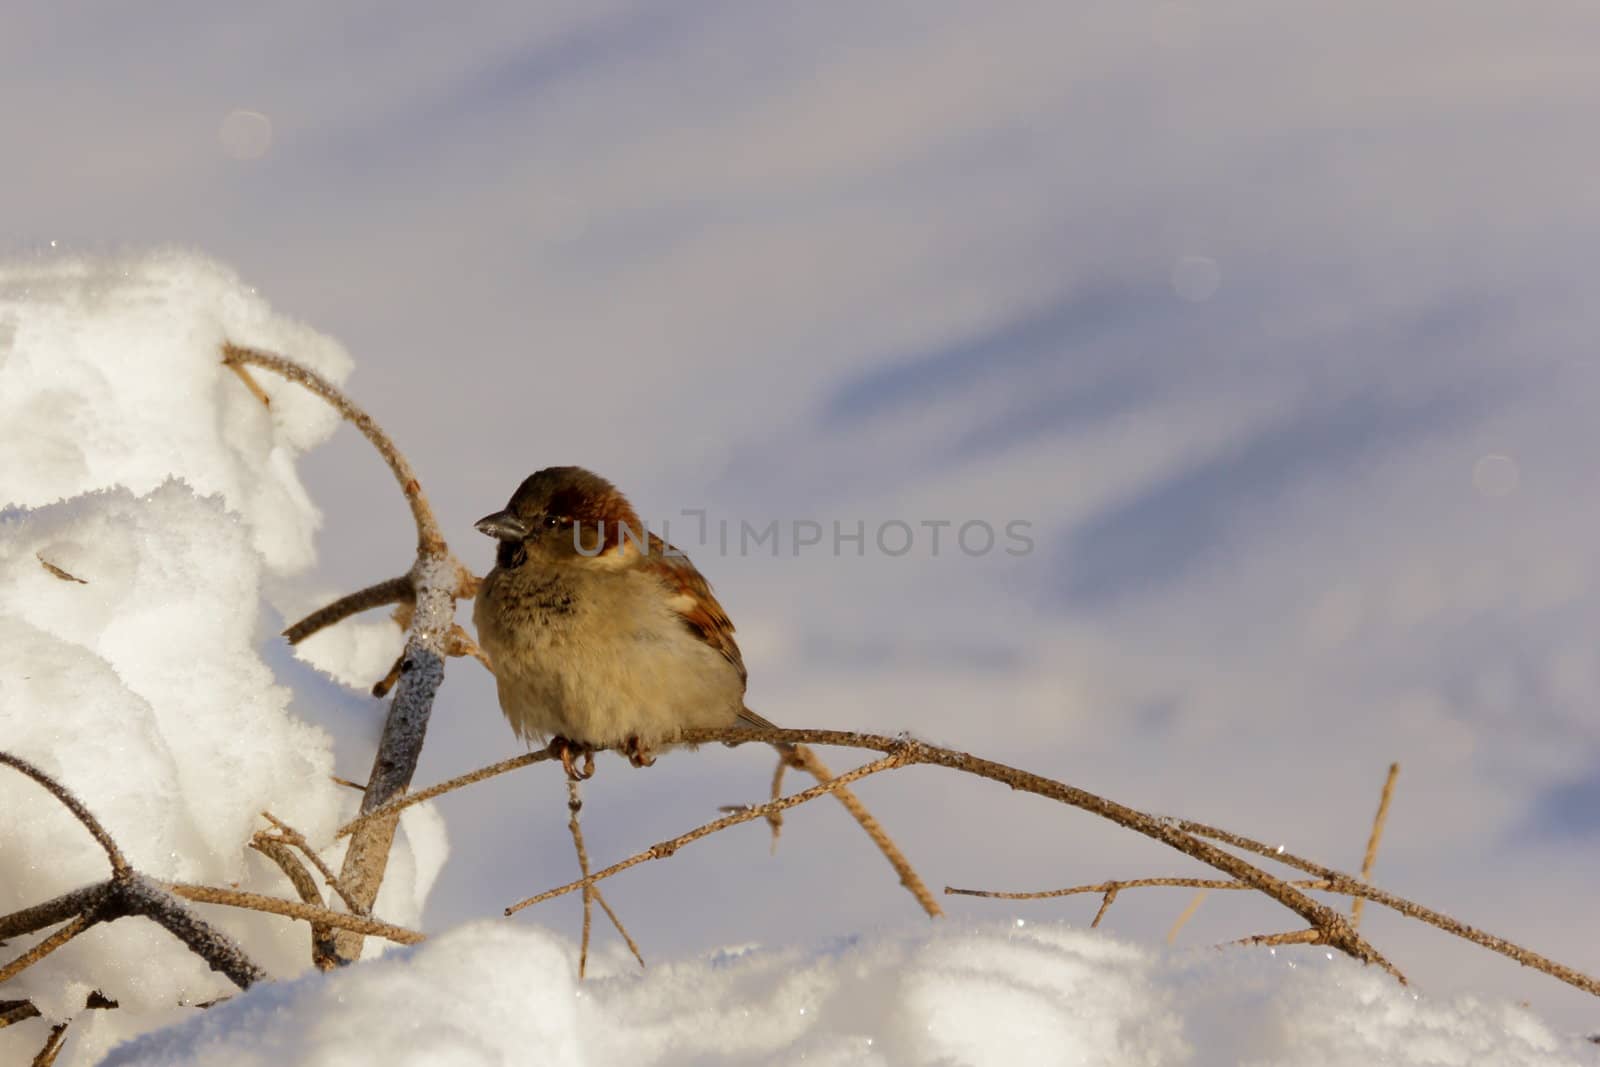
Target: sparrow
(600,634)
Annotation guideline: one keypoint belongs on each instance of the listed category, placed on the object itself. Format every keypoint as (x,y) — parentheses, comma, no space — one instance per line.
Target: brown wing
(692,600)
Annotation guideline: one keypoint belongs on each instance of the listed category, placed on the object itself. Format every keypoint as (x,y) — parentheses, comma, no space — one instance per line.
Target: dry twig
(1185,915)
(389,591)
(1293,937)
(667,848)
(57,572)
(807,760)
(1374,838)
(294,837)
(395,807)
(52,1046)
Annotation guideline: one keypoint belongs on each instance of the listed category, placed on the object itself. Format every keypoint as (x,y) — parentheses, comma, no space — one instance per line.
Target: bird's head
(562,513)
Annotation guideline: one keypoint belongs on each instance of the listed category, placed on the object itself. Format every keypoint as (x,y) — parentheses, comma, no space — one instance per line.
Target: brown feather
(690,597)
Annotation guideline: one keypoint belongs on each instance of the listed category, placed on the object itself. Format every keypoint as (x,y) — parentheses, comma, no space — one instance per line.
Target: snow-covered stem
(126,893)
(398,751)
(119,864)
(55,910)
(141,896)
(434,582)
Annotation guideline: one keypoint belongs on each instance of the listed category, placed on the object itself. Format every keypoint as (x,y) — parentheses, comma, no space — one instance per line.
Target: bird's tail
(750,718)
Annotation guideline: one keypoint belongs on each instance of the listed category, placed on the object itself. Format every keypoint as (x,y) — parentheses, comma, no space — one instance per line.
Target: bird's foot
(637,752)
(568,752)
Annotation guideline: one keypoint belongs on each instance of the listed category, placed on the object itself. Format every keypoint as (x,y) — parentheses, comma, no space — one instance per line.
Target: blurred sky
(1273,321)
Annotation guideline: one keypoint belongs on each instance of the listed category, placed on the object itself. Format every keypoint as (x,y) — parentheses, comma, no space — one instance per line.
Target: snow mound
(110,376)
(146,495)
(494,993)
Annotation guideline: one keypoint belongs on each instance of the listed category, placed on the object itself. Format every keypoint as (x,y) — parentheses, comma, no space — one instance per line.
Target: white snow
(133,461)
(501,993)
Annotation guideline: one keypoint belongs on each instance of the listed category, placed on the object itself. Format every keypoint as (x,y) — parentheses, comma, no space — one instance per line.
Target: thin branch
(38,952)
(1293,937)
(119,864)
(591,893)
(1118,886)
(667,848)
(1185,915)
(575,805)
(46,1056)
(808,760)
(1372,840)
(13,1012)
(238,898)
(388,591)
(1105,906)
(279,852)
(250,383)
(1340,882)
(623,930)
(395,807)
(298,840)
(786,756)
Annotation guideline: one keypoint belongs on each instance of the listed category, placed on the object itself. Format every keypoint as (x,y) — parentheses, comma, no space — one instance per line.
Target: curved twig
(119,864)
(389,591)
(429,538)
(812,764)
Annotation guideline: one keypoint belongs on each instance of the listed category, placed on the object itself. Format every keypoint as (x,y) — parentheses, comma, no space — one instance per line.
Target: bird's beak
(504,526)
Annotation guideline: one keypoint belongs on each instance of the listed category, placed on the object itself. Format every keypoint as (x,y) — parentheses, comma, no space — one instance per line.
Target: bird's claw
(638,754)
(567,752)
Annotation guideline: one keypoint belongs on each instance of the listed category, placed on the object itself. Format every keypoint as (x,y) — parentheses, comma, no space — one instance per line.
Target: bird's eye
(551,522)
